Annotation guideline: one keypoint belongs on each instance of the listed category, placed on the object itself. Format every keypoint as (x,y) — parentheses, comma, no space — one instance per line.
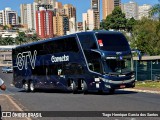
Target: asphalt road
(61,101)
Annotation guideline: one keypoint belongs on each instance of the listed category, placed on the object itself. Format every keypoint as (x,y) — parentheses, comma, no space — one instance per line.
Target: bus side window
(95,65)
(73,69)
(88,41)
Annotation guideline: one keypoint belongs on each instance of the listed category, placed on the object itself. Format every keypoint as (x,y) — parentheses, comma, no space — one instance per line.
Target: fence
(148,68)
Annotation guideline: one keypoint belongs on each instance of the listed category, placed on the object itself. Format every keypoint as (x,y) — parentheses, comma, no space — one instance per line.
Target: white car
(7,69)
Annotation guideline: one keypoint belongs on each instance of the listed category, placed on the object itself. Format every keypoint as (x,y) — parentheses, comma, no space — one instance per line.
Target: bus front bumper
(111,84)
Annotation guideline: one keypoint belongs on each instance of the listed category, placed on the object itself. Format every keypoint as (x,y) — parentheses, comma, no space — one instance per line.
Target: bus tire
(26,86)
(74,87)
(84,87)
(32,86)
(100,92)
(111,91)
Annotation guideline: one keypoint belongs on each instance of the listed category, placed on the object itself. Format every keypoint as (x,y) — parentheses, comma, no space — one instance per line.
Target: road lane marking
(15,105)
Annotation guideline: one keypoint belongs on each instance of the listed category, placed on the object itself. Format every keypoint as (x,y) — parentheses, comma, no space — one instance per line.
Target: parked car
(7,69)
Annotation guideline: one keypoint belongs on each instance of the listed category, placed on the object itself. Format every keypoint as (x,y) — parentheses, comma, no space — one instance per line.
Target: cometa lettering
(63,58)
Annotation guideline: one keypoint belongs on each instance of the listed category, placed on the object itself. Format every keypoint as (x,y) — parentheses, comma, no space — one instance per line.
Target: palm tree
(155,10)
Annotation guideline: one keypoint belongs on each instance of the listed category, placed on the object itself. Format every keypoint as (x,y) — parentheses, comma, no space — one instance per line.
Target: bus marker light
(100,42)
(97,79)
(97,85)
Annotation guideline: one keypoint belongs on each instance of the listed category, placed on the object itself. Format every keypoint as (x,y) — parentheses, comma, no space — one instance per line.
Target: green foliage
(130,23)
(146,36)
(5,27)
(6,41)
(21,38)
(155,10)
(102,25)
(116,20)
(32,38)
(148,84)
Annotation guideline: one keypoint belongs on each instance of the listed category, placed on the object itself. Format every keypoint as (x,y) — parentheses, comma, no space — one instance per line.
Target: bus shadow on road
(47,91)
(117,92)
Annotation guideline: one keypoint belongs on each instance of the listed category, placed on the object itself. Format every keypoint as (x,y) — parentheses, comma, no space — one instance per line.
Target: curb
(145,91)
(12,104)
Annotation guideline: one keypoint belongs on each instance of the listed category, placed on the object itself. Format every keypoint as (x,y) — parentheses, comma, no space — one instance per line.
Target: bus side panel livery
(85,61)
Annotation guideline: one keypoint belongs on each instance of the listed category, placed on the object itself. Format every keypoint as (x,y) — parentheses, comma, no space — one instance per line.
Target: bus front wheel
(111,91)
(84,87)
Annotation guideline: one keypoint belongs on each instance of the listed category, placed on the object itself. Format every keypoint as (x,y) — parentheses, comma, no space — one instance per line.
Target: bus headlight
(107,86)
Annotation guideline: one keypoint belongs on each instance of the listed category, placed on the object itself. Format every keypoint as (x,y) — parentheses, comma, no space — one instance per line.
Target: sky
(81,5)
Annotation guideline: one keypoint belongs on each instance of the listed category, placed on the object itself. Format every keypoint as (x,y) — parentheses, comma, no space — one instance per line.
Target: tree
(5,27)
(155,10)
(8,41)
(102,25)
(145,37)
(130,23)
(32,38)
(116,20)
(21,38)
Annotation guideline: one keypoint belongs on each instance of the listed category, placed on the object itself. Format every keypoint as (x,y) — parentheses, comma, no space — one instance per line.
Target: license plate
(122,86)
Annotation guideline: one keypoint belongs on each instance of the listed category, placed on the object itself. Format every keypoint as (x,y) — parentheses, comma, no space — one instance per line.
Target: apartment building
(95,6)
(143,11)
(108,6)
(44,20)
(27,15)
(60,24)
(8,17)
(131,10)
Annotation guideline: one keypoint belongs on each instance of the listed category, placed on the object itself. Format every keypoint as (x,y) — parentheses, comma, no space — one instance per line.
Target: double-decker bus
(85,61)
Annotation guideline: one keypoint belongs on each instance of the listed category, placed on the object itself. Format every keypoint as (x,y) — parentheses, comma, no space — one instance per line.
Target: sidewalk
(7,104)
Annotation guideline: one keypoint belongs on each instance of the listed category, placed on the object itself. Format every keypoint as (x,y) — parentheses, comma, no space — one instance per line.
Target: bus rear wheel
(74,87)
(32,86)
(26,87)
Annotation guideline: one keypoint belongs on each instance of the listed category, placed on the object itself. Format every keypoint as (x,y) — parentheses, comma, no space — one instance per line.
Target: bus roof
(56,38)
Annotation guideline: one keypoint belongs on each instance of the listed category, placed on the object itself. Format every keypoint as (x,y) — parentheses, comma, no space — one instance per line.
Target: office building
(117,3)
(44,20)
(95,6)
(143,11)
(27,15)
(60,24)
(131,10)
(85,21)
(88,20)
(108,6)
(46,2)
(58,5)
(8,17)
(1,17)
(70,11)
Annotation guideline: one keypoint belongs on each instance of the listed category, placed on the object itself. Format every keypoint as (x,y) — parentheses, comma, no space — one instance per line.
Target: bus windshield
(123,64)
(112,42)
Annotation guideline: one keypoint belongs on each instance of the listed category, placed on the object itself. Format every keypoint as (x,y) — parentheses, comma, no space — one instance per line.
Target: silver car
(7,69)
